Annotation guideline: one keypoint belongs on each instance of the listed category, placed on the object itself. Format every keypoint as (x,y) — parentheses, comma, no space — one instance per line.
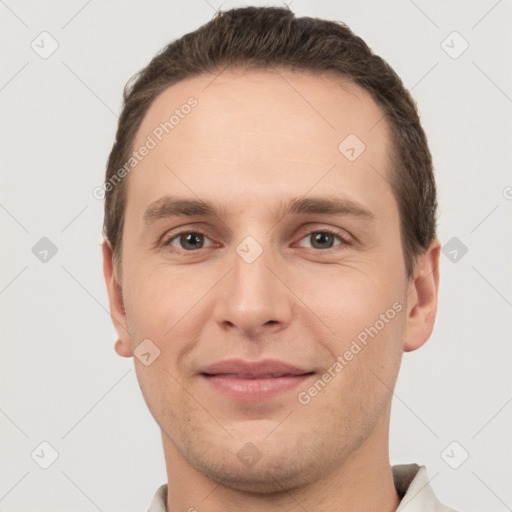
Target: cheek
(160,307)
(352,301)
(364,350)
(365,315)
(170,307)
(156,301)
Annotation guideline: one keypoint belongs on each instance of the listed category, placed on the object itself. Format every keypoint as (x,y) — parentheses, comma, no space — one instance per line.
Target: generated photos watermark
(357,345)
(157,135)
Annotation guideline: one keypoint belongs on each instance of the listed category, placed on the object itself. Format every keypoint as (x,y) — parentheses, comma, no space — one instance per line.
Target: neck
(363,482)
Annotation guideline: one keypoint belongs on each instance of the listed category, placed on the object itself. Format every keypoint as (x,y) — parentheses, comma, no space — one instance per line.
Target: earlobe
(122,349)
(422,298)
(115,297)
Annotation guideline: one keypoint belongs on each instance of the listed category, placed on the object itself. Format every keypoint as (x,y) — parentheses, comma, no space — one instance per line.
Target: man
(270,252)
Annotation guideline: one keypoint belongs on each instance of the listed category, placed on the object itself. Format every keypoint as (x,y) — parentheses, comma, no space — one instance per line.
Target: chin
(281,466)
(266,477)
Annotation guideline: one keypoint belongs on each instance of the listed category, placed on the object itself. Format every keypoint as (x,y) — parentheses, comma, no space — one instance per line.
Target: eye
(189,240)
(324,239)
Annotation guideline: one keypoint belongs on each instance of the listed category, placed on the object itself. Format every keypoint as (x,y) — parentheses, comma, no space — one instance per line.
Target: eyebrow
(169,206)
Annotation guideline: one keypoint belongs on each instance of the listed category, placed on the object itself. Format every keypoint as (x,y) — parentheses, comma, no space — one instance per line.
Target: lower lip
(255,389)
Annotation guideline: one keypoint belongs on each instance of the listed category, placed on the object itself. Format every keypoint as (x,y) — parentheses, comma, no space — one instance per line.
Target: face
(262,259)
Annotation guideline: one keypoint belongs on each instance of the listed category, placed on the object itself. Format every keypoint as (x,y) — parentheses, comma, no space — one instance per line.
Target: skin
(251,144)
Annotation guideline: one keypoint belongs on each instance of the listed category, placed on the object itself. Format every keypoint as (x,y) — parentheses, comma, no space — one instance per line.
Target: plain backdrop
(61,381)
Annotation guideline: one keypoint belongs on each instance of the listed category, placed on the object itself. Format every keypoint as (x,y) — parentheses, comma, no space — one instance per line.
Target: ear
(422,298)
(115,298)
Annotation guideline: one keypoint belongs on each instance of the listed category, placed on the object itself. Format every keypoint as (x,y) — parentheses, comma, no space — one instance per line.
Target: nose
(253,298)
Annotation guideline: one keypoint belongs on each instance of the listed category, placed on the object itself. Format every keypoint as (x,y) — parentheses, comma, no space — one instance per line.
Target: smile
(253,381)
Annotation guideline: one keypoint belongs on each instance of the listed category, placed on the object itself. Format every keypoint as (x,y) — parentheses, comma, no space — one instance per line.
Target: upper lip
(267,368)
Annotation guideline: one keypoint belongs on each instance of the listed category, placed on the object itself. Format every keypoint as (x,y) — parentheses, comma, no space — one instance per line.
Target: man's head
(298,172)
(256,38)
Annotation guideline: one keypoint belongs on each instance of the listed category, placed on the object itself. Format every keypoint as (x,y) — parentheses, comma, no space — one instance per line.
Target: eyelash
(333,232)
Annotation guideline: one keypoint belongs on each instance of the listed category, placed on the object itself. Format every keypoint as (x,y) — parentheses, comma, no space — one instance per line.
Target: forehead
(291,105)
(240,131)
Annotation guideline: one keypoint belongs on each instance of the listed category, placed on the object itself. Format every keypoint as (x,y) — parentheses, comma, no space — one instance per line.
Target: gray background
(61,381)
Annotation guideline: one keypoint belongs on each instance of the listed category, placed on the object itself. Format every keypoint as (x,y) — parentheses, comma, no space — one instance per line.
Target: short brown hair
(267,37)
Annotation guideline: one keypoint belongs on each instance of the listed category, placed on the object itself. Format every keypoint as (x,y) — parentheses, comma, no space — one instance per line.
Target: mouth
(253,381)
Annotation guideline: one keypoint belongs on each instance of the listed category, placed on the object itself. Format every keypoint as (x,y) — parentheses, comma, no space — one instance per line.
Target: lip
(253,381)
